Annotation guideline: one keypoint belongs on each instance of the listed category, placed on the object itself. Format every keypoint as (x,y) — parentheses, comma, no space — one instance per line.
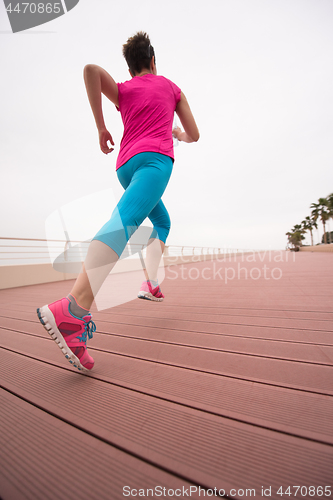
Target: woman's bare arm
(184,112)
(98,82)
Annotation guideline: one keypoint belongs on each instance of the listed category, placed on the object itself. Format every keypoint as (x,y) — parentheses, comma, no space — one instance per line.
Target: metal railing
(15,251)
(20,251)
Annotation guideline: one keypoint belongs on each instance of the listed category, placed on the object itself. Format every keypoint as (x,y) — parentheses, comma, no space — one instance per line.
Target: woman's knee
(162,225)
(161,232)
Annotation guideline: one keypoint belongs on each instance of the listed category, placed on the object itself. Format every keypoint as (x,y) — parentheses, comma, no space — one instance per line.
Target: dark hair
(138,52)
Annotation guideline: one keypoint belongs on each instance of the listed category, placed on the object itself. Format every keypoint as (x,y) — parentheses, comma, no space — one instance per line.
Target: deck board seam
(201,320)
(218,323)
(196,370)
(238,309)
(222,335)
(204,348)
(213,322)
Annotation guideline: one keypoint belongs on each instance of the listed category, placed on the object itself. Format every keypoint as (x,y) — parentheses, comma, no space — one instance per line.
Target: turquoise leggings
(144,178)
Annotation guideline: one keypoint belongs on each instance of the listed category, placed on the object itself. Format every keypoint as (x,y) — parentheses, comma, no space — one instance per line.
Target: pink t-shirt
(147,104)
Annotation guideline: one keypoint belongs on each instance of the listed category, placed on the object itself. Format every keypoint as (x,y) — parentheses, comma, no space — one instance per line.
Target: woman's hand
(176,132)
(181,136)
(104,137)
(191,132)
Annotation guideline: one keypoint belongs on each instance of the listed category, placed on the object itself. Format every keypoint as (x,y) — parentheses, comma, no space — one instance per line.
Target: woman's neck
(144,72)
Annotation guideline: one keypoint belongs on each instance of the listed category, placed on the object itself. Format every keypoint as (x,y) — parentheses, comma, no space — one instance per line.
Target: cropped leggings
(144,178)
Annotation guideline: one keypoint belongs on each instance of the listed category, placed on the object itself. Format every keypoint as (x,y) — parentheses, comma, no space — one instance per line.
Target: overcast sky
(258,75)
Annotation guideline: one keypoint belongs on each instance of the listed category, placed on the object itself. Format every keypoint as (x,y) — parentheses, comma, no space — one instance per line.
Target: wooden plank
(168,308)
(159,314)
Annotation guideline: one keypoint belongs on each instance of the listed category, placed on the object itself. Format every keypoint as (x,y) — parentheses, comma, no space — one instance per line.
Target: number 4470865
(33,8)
(304,491)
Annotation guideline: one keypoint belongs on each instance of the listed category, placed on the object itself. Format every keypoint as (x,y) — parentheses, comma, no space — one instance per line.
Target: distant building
(329,237)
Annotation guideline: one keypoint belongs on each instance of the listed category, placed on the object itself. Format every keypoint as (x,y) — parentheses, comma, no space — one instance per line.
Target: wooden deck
(225,385)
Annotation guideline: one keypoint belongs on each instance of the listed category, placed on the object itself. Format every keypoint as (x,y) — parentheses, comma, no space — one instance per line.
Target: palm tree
(330,209)
(321,210)
(295,237)
(308,224)
(315,215)
(330,202)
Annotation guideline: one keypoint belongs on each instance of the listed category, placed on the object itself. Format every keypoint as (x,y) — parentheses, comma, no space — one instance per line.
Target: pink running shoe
(69,332)
(150,293)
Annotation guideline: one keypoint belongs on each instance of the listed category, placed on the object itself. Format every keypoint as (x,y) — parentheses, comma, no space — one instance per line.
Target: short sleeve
(176,92)
(119,85)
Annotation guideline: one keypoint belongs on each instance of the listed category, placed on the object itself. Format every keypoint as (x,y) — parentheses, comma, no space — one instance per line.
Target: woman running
(147,104)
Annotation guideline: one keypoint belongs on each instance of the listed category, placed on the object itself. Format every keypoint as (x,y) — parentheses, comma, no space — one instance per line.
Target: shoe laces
(89,328)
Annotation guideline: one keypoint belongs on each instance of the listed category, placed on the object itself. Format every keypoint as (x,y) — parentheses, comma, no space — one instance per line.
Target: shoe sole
(149,296)
(46,318)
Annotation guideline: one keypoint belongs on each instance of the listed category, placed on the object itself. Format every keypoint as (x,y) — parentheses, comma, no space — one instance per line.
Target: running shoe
(150,293)
(69,332)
